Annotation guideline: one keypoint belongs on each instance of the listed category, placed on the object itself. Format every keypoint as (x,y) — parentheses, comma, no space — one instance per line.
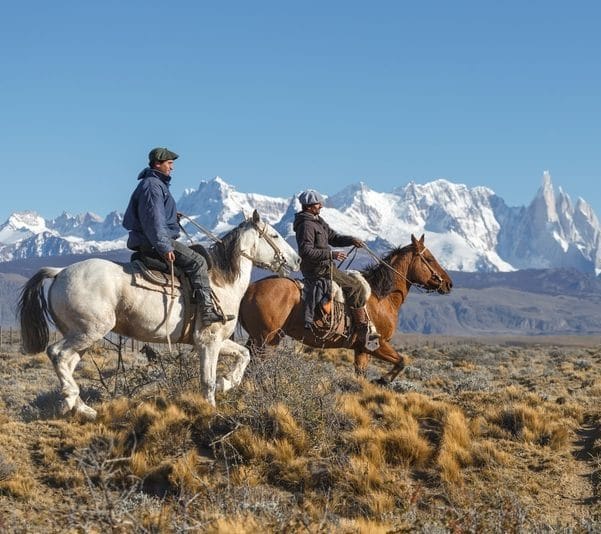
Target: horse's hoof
(82,412)
(64,409)
(223,384)
(85,413)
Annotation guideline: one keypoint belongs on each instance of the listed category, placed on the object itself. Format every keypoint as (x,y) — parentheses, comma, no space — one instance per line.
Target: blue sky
(279,96)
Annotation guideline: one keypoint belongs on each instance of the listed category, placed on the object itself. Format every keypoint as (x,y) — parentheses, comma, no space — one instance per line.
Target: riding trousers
(191,263)
(351,287)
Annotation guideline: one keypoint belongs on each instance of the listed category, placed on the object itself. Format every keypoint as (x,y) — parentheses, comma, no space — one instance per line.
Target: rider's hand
(179,216)
(338,255)
(358,243)
(170,256)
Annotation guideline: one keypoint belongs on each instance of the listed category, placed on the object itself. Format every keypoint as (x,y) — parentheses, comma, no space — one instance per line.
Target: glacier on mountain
(468,229)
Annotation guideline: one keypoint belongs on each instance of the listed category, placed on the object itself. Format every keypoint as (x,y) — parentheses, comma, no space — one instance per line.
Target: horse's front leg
(208,354)
(388,353)
(234,377)
(385,352)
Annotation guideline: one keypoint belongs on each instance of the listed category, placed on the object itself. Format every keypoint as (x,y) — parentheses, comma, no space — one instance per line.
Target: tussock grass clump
(6,468)
(533,425)
(487,454)
(365,526)
(286,427)
(243,524)
(409,431)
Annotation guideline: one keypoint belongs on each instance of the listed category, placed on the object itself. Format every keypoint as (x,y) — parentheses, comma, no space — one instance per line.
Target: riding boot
(360,321)
(370,337)
(206,310)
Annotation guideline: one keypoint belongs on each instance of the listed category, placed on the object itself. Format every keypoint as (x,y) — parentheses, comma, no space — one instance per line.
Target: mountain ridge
(467,229)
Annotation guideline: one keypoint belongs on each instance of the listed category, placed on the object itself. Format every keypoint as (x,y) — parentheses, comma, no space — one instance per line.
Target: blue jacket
(151,215)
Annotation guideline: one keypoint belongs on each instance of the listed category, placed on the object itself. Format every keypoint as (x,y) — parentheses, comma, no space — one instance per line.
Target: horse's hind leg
(361,362)
(65,355)
(234,377)
(259,345)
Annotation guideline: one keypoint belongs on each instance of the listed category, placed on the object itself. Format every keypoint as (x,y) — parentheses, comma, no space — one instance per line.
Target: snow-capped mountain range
(468,229)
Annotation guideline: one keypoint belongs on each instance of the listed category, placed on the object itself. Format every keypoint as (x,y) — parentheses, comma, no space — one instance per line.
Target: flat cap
(161,154)
(310,196)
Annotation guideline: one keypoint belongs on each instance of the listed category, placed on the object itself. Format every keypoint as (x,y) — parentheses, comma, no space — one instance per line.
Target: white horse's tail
(33,311)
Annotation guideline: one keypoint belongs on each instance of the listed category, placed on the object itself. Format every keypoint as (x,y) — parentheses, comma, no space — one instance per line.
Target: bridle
(434,274)
(279,260)
(420,254)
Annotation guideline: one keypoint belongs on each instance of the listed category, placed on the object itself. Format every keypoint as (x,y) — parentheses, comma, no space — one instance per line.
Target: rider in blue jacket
(152,220)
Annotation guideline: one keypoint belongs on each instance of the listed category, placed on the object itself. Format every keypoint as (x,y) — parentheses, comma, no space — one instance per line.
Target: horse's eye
(274,236)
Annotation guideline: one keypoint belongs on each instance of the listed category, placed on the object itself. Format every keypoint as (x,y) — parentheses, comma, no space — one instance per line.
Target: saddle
(333,320)
(154,274)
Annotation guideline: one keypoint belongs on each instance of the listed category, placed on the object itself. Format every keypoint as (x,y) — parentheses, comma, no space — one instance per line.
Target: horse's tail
(33,311)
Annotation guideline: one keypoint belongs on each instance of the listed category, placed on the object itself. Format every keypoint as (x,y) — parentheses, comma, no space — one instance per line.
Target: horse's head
(425,271)
(267,248)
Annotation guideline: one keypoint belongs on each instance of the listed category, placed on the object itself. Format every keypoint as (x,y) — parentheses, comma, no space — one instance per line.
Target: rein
(279,259)
(204,230)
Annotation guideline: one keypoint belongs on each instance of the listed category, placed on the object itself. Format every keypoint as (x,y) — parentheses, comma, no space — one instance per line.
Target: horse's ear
(417,243)
(256,217)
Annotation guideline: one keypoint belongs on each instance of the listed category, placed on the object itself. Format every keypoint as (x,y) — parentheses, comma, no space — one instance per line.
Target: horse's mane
(225,255)
(380,277)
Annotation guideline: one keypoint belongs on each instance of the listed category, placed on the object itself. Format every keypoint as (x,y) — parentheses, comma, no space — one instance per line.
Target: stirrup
(372,341)
(372,337)
(209,316)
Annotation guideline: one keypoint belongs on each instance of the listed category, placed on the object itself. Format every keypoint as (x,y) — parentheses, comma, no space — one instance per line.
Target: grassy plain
(478,435)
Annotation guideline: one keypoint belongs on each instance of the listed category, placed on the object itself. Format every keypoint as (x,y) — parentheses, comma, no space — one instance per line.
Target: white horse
(91,298)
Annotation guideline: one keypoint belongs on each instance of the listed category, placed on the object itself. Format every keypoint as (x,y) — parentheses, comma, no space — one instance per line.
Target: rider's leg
(308,303)
(195,267)
(356,299)
(353,293)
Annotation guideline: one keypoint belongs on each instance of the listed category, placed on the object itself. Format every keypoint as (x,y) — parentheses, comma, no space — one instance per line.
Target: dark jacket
(151,216)
(314,237)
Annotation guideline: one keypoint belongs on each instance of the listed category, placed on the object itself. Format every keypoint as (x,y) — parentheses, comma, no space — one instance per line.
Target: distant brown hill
(527,302)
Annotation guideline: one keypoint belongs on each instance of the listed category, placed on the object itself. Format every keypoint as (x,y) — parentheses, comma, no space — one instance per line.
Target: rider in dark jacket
(152,220)
(314,237)
(151,216)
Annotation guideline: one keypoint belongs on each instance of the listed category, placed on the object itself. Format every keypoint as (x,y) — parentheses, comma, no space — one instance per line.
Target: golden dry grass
(477,446)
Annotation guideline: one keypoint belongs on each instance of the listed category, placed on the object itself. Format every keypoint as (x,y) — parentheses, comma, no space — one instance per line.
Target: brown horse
(272,307)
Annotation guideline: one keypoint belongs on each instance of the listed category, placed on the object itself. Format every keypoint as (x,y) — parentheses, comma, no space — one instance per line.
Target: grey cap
(310,196)
(161,154)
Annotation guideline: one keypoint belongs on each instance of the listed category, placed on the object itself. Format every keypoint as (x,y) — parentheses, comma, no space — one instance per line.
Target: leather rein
(279,261)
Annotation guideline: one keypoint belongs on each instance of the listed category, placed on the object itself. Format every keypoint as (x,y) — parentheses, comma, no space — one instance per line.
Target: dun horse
(91,298)
(272,307)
